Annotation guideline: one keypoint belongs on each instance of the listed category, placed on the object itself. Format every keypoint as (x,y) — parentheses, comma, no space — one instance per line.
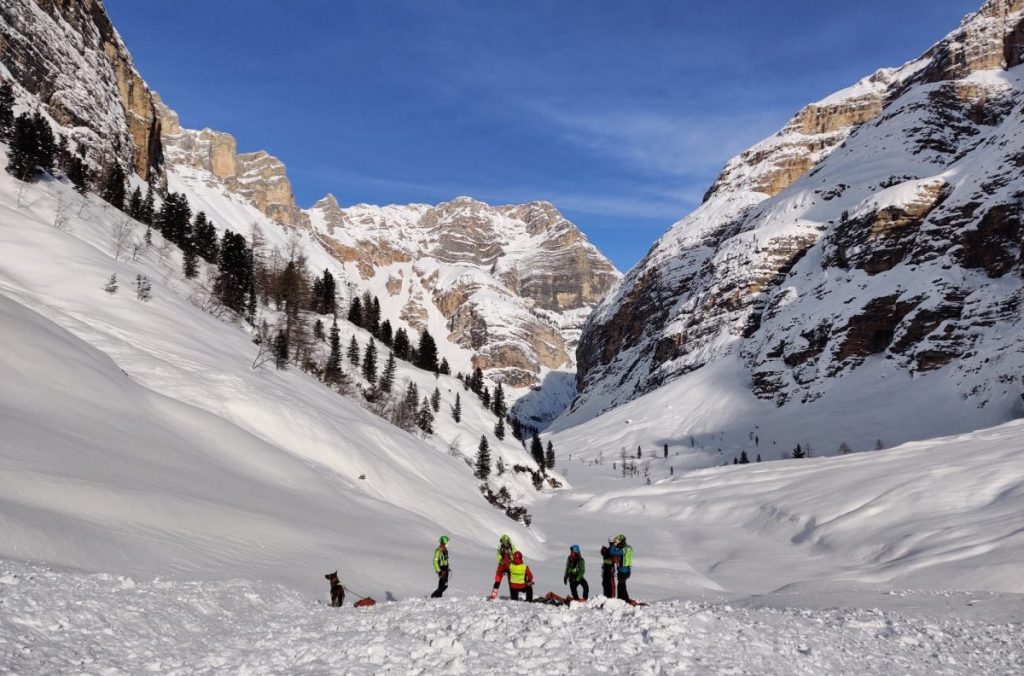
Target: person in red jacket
(520,578)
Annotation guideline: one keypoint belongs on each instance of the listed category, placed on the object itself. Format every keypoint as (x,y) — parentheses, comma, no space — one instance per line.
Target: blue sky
(620,113)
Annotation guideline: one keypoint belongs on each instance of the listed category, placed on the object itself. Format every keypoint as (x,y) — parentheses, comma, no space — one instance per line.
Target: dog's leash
(353,593)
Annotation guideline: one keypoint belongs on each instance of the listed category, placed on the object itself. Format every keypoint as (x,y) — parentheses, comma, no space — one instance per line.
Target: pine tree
(499,429)
(370,362)
(666,451)
(47,145)
(6,111)
(78,173)
(134,208)
(476,381)
(23,153)
(332,371)
(744,460)
(355,312)
(235,275)
(435,400)
(549,456)
(798,452)
(373,320)
(444,369)
(387,377)
(387,333)
(844,449)
(427,353)
(879,445)
(401,344)
(498,402)
(483,459)
(281,350)
(149,206)
(537,450)
(485,398)
(143,289)
(113,188)
(175,217)
(318,329)
(457,408)
(111,285)
(425,417)
(517,428)
(758,458)
(353,351)
(204,238)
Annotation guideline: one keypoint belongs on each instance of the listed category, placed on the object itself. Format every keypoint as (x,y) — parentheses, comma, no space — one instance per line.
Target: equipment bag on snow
(365,603)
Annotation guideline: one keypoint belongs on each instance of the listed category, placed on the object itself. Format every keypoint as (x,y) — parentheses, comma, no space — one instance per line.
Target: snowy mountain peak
(877,234)
(508,286)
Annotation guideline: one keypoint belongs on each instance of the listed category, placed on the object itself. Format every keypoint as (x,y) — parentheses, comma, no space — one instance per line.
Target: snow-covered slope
(138,438)
(898,257)
(137,626)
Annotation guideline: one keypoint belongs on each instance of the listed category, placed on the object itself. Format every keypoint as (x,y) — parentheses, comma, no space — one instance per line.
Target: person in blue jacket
(622,552)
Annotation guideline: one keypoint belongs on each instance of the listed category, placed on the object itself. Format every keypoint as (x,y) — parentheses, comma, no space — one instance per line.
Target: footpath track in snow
(59,622)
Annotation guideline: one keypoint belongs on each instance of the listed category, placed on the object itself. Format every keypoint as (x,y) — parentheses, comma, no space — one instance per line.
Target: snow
(55,621)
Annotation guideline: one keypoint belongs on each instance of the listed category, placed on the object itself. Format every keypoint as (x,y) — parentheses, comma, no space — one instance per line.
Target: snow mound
(56,622)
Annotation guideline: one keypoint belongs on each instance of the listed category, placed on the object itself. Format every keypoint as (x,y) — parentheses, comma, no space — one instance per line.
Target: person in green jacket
(441,566)
(623,554)
(575,569)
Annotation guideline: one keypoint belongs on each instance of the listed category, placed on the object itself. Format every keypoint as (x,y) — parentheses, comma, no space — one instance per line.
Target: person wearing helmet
(575,568)
(623,555)
(441,566)
(506,550)
(520,578)
(608,569)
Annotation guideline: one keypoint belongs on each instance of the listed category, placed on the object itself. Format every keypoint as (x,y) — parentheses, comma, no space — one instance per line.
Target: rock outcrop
(510,285)
(883,223)
(67,54)
(258,176)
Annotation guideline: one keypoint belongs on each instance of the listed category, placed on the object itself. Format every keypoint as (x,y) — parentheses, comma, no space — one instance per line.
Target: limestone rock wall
(67,54)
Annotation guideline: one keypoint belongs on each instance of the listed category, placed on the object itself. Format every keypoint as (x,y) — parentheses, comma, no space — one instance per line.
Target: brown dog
(337,590)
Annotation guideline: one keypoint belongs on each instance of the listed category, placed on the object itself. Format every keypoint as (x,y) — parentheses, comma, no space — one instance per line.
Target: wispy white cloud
(685,146)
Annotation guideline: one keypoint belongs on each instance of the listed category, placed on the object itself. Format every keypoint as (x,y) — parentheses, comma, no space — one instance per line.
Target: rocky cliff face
(68,55)
(883,223)
(510,285)
(257,177)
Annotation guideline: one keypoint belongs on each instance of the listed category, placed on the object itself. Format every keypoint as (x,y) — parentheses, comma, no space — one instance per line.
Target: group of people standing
(616,566)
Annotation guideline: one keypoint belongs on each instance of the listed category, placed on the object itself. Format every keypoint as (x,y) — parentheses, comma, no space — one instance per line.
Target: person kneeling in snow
(575,568)
(520,578)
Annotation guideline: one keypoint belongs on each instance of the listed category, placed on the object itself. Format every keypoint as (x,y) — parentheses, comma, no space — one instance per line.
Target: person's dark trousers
(574,585)
(442,584)
(606,580)
(528,591)
(623,594)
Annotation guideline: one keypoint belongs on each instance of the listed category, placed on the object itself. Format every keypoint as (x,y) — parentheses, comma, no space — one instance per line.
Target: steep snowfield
(138,439)
(54,621)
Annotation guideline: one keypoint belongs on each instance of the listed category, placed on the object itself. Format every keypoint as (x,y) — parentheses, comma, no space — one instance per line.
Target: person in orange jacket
(520,578)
